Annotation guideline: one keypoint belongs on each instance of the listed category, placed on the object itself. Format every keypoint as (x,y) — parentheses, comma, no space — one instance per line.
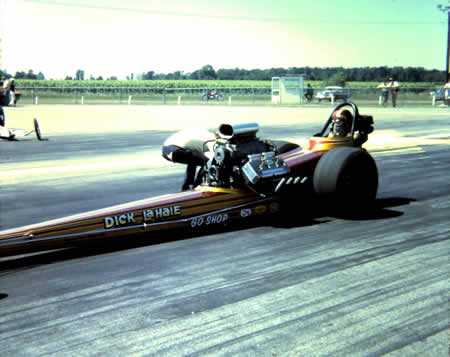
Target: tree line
(22,75)
(360,74)
(339,74)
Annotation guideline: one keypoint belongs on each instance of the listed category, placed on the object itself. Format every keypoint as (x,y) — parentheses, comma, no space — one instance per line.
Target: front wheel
(347,175)
(37,129)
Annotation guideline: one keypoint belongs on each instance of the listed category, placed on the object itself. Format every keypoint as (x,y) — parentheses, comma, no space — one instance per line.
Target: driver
(188,147)
(341,124)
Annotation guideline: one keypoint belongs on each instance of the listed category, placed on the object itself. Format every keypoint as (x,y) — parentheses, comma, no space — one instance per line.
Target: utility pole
(1,54)
(446,9)
(2,19)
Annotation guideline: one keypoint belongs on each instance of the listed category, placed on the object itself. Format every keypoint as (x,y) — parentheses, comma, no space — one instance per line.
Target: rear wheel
(348,175)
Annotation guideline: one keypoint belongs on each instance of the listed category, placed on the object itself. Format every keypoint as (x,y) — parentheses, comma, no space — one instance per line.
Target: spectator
(6,93)
(309,93)
(384,92)
(12,92)
(447,93)
(393,88)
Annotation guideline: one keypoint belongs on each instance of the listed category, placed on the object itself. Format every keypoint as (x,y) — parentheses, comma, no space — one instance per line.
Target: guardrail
(229,96)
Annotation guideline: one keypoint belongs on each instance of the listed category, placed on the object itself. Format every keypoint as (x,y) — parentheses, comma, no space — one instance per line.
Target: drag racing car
(239,177)
(15,134)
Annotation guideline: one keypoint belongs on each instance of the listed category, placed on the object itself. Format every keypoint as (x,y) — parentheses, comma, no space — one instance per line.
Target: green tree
(149,75)
(20,75)
(337,79)
(4,75)
(31,75)
(79,75)
(206,72)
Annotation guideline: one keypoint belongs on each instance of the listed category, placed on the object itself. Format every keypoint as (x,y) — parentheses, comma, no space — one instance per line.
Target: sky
(116,37)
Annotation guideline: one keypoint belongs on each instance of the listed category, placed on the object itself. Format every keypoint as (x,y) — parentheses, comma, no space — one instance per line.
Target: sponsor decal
(219,218)
(156,214)
(148,215)
(119,220)
(246,212)
(261,209)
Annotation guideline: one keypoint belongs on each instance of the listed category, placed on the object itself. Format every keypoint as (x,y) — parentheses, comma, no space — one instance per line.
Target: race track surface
(368,284)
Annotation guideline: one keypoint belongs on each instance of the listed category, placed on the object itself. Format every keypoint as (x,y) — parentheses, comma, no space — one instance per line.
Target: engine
(240,158)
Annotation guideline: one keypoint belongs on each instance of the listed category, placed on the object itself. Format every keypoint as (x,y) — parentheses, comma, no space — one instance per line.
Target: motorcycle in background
(212,95)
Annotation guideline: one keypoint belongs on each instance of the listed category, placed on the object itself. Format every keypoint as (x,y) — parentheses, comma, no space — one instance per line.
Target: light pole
(446,9)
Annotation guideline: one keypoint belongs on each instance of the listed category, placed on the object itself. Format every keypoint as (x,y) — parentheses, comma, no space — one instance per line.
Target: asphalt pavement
(368,284)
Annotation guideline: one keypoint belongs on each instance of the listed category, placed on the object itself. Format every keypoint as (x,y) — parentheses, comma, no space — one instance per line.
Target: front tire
(348,175)
(37,129)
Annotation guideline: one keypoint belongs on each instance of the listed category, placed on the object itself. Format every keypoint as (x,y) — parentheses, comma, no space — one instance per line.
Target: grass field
(190,92)
(180,97)
(193,84)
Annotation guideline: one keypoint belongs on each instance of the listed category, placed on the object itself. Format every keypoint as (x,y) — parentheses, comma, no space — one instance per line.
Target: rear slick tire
(348,176)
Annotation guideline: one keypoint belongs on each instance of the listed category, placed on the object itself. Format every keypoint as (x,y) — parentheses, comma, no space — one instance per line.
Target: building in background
(288,90)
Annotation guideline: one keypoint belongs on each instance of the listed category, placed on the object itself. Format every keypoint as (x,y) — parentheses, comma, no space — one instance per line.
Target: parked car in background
(441,94)
(336,92)
(438,93)
(447,93)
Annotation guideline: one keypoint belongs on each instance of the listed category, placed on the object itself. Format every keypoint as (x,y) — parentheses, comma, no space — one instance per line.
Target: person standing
(384,92)
(447,93)
(8,95)
(393,88)
(12,92)
(309,93)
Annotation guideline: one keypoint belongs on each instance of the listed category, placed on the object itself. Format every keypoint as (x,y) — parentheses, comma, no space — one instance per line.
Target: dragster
(242,176)
(15,134)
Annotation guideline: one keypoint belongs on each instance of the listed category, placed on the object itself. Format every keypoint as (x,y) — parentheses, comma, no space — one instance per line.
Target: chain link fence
(192,96)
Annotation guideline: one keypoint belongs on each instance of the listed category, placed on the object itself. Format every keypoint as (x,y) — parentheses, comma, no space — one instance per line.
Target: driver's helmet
(341,122)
